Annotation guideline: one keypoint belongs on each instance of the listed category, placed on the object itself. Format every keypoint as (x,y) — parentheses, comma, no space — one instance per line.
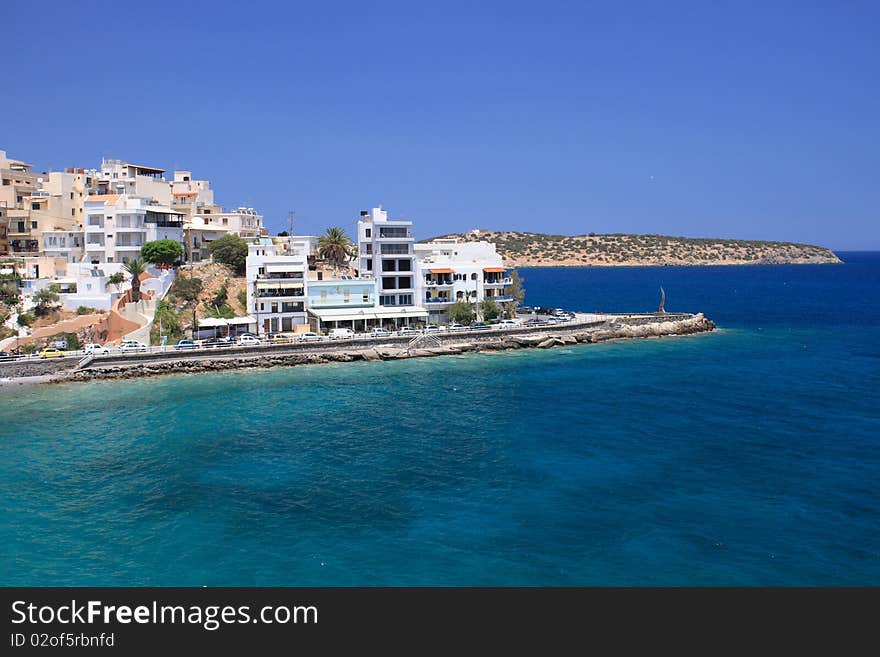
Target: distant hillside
(539,250)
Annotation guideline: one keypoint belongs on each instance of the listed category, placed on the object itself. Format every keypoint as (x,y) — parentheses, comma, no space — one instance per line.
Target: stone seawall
(449,344)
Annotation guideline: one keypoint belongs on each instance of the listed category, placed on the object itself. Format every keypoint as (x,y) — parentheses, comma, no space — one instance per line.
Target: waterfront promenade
(584,328)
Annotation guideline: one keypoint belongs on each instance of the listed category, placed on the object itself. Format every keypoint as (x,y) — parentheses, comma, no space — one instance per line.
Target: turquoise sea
(749,456)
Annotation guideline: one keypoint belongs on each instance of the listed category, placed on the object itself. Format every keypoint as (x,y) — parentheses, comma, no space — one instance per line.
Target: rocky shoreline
(452,346)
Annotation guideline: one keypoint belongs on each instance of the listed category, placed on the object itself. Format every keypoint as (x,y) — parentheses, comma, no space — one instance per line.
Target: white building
(117,226)
(276,286)
(450,271)
(123,178)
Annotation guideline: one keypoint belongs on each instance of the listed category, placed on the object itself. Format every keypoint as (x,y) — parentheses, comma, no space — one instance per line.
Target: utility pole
(290,234)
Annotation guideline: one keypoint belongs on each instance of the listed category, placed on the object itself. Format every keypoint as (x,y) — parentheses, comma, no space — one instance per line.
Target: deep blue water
(749,456)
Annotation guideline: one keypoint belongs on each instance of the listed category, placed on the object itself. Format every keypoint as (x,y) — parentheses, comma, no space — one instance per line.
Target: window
(34,225)
(387,300)
(473,276)
(274,307)
(395,249)
(369,266)
(393,231)
(404,265)
(389,283)
(71,196)
(368,249)
(35,206)
(388,265)
(6,182)
(404,282)
(404,300)
(367,232)
(225,221)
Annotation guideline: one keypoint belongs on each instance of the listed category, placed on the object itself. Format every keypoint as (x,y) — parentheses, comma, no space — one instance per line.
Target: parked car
(341,334)
(51,352)
(407,330)
(186,344)
(4,355)
(524,310)
(480,325)
(129,346)
(216,343)
(535,322)
(509,323)
(434,328)
(455,326)
(279,338)
(95,349)
(309,336)
(380,332)
(247,340)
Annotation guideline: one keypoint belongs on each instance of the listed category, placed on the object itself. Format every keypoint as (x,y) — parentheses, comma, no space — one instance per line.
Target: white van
(341,333)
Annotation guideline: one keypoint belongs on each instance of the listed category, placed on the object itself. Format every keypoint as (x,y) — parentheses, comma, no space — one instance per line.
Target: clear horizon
(726,121)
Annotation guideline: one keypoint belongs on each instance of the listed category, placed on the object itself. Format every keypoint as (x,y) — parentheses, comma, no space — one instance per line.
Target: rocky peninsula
(541,250)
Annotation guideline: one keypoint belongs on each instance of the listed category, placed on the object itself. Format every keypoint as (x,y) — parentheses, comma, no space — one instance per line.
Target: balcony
(495,282)
(438,283)
(280,293)
(502,298)
(280,276)
(438,300)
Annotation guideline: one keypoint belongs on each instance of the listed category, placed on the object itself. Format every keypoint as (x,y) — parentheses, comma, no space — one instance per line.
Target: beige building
(124,178)
(17,184)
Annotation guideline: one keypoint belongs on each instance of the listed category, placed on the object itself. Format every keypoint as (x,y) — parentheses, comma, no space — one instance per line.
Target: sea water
(748,456)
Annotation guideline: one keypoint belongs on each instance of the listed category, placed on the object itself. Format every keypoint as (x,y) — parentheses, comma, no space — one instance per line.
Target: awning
(349,314)
(494,270)
(210,322)
(442,271)
(235,321)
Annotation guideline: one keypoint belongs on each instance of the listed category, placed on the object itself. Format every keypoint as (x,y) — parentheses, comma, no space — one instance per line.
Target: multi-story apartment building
(117,226)
(451,271)
(122,178)
(17,185)
(385,251)
(206,221)
(276,286)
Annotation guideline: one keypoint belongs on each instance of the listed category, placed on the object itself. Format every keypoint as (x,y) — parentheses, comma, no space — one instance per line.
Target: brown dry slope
(539,250)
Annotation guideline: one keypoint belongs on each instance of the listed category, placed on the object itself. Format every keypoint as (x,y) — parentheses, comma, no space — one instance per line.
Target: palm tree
(135,267)
(335,247)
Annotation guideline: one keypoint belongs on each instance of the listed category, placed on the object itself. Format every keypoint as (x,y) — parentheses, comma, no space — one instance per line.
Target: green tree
(25,319)
(116,280)
(335,247)
(242,298)
(135,267)
(516,290)
(162,252)
(45,300)
(489,309)
(230,250)
(85,310)
(165,322)
(461,312)
(8,292)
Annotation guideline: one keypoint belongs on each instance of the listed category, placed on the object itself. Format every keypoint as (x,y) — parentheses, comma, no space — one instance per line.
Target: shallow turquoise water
(747,456)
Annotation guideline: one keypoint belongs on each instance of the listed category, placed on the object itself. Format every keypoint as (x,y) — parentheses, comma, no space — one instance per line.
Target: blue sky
(733,119)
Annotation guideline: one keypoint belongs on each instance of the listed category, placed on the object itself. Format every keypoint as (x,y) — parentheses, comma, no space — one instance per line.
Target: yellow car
(51,352)
(280,338)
